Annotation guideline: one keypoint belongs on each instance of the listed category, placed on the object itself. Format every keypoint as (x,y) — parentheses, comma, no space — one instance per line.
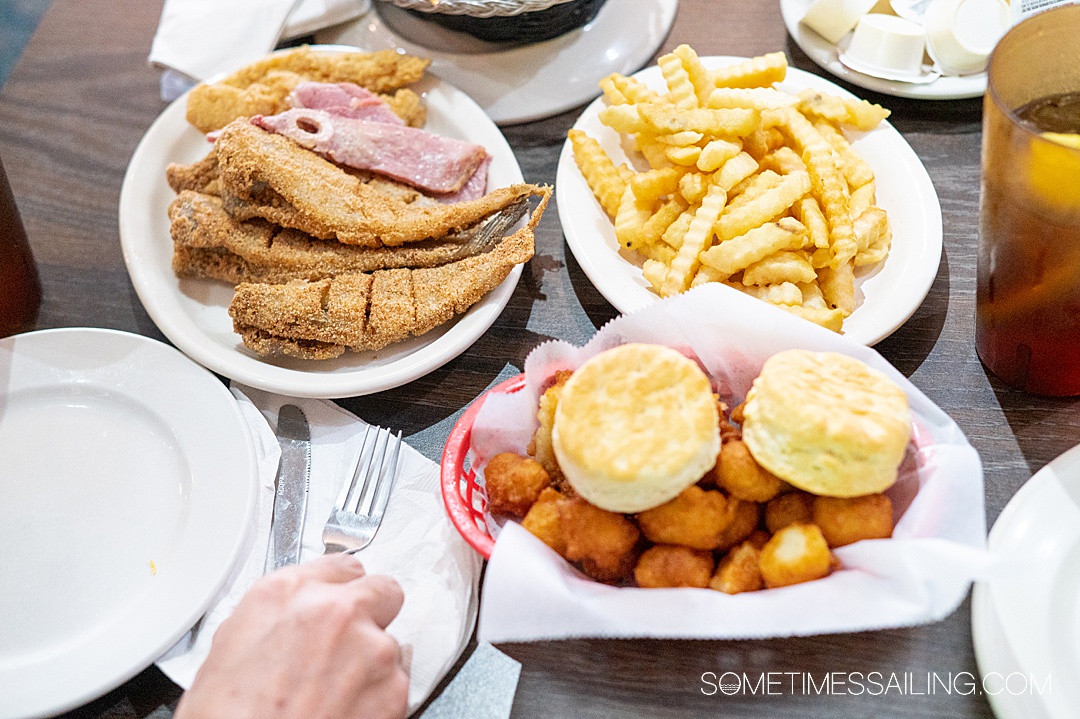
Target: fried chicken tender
(743,478)
(739,571)
(540,447)
(668,565)
(845,521)
(790,508)
(797,553)
(542,521)
(262,87)
(744,523)
(513,484)
(602,543)
(696,518)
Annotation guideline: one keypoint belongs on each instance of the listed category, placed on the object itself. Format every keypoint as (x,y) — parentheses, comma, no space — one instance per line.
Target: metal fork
(361,503)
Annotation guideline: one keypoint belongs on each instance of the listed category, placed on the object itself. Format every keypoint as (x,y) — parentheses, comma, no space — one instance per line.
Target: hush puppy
(797,553)
(668,565)
(543,520)
(789,508)
(744,521)
(513,483)
(845,521)
(540,447)
(743,478)
(602,543)
(739,571)
(696,518)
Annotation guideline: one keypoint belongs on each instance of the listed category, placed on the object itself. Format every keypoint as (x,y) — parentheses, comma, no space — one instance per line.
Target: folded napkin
(416,544)
(198,39)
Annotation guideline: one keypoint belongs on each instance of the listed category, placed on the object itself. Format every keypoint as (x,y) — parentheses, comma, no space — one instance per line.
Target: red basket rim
(453,459)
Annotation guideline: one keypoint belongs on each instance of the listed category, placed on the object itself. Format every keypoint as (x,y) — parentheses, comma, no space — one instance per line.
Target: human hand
(306,642)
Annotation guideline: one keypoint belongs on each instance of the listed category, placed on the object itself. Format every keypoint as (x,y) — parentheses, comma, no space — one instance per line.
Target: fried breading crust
(277,180)
(262,87)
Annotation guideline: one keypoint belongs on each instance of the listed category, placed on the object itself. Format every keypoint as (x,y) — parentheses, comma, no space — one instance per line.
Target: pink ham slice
(428,162)
(345,99)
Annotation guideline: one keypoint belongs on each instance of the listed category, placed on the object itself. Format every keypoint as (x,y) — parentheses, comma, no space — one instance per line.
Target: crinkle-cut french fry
(783,293)
(659,251)
(706,274)
(874,235)
(633,90)
(668,119)
(752,187)
(699,75)
(680,89)
(698,236)
(716,153)
(680,139)
(760,71)
(612,94)
(654,152)
(654,272)
(795,127)
(783,160)
(623,118)
(630,219)
(733,255)
(808,212)
(863,198)
(784,266)
(830,190)
(859,114)
(693,186)
(811,295)
(685,156)
(821,257)
(763,208)
(856,170)
(736,170)
(838,287)
(676,231)
(757,98)
(829,319)
(657,225)
(600,173)
(756,144)
(651,185)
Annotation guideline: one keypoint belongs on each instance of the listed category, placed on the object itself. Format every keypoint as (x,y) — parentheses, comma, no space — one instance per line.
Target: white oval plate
(824,53)
(1026,618)
(127,490)
(528,82)
(887,294)
(193,314)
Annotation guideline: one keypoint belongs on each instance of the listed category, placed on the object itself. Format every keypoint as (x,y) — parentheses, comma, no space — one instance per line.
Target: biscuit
(827,423)
(635,426)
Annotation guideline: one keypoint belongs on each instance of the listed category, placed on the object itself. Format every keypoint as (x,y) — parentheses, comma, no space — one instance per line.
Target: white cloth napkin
(202,38)
(919,575)
(416,544)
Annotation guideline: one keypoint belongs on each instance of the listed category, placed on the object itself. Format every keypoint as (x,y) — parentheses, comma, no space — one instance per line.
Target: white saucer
(529,82)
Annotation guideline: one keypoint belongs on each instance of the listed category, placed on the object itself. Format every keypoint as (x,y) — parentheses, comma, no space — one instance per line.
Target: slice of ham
(474,189)
(345,99)
(429,162)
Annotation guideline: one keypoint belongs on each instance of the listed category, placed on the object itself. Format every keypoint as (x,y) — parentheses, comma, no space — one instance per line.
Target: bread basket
(518,21)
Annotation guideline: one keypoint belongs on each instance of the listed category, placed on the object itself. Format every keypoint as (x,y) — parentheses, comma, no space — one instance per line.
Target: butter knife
(290,488)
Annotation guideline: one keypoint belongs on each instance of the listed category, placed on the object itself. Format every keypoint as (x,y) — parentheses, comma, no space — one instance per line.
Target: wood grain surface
(83,94)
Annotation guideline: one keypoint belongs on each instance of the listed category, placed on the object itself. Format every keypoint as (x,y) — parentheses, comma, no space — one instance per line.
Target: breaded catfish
(269,176)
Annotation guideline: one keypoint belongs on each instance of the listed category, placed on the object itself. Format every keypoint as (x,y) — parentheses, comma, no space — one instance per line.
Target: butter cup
(960,34)
(833,19)
(887,46)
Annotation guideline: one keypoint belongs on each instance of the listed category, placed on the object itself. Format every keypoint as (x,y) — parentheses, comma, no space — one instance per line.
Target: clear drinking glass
(1027,318)
(20,290)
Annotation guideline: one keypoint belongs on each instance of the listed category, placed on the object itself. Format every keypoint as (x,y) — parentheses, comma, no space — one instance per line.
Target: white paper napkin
(416,544)
(202,38)
(920,575)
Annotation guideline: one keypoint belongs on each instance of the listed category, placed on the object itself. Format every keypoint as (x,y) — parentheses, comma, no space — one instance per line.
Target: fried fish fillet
(361,311)
(269,176)
(262,87)
(208,243)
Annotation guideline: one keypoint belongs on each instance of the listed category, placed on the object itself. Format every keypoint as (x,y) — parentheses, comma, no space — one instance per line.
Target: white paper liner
(920,575)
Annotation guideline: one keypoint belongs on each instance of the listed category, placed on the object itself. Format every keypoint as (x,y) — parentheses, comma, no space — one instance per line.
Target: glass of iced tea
(1027,317)
(20,291)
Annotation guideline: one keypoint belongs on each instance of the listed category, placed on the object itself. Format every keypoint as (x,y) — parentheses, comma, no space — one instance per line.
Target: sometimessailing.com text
(872,684)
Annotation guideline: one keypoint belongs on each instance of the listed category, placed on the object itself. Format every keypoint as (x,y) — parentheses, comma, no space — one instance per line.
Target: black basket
(526,27)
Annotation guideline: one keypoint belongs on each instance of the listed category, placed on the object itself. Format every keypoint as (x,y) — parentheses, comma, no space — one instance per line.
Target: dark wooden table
(82,96)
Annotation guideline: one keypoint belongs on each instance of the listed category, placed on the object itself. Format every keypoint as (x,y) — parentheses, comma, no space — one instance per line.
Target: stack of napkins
(416,544)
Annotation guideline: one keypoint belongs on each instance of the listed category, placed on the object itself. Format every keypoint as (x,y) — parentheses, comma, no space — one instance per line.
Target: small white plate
(824,53)
(127,489)
(193,314)
(887,293)
(1026,619)
(529,82)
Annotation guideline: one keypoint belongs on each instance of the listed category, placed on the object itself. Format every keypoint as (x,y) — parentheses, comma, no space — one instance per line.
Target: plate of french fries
(747,173)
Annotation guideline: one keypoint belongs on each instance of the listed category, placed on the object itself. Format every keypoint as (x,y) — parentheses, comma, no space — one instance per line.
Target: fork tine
(350,486)
(372,473)
(387,475)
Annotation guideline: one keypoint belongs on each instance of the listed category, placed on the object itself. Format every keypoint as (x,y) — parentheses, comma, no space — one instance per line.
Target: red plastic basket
(463,496)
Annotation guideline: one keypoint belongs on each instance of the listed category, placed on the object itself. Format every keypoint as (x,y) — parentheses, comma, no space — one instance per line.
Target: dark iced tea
(20,292)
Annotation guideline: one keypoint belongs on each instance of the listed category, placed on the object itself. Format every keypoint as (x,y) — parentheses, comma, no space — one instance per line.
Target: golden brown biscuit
(827,423)
(635,426)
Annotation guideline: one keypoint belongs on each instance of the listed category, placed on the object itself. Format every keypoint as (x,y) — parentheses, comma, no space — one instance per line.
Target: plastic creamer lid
(960,34)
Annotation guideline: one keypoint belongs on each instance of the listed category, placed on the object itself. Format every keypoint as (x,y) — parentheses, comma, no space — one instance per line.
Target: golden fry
(668,119)
(770,204)
(780,267)
(680,90)
(599,171)
(759,71)
(733,255)
(698,236)
(699,75)
(830,190)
